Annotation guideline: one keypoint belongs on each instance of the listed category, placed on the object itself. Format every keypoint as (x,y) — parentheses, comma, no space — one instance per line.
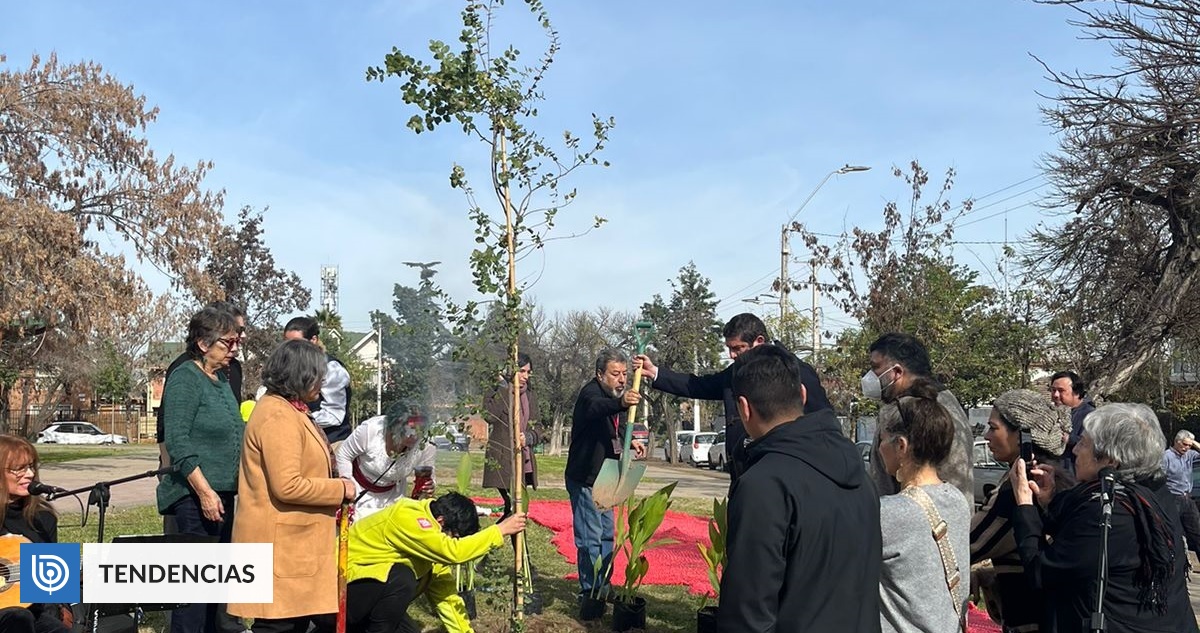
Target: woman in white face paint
(381,453)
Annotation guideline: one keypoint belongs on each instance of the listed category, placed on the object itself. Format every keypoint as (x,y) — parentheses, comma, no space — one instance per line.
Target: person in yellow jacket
(405,550)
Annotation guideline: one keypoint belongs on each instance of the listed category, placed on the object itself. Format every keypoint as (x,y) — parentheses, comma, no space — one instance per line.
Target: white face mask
(872,387)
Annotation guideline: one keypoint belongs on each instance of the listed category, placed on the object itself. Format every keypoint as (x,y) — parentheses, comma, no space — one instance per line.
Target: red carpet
(678,563)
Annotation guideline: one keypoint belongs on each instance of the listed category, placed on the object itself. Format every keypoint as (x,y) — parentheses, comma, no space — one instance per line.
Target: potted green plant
(635,530)
(714,558)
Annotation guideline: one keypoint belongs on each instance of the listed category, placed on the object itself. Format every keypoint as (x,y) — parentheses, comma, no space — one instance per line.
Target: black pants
(382,607)
(204,618)
(320,624)
(1189,518)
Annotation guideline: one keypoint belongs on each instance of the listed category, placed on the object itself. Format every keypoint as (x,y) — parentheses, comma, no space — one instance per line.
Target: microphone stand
(1108,490)
(99,493)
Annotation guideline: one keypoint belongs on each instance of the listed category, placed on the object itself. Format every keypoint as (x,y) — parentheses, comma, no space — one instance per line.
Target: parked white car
(696,453)
(78,433)
(716,453)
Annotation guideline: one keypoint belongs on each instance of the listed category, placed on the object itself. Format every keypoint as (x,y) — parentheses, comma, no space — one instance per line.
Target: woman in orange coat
(289,495)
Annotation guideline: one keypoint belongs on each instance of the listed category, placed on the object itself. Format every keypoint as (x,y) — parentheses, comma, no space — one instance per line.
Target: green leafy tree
(913,285)
(687,338)
(113,377)
(486,90)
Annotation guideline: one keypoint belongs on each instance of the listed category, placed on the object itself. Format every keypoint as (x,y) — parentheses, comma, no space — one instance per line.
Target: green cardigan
(203,430)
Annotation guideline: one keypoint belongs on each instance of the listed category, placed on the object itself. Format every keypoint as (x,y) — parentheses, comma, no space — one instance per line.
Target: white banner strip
(165,573)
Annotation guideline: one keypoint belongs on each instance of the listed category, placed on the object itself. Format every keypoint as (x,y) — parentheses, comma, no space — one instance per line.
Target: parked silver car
(717,456)
(696,453)
(78,433)
(987,471)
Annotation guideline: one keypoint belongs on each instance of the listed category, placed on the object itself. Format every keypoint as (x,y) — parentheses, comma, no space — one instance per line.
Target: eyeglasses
(230,342)
(20,470)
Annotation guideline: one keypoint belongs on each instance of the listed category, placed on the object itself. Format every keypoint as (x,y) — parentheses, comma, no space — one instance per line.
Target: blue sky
(728,114)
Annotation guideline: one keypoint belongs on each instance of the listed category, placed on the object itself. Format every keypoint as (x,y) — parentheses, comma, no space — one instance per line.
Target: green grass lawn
(56,453)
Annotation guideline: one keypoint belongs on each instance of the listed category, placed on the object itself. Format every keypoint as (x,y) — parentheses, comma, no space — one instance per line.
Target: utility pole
(784,283)
(816,339)
(785,249)
(379,369)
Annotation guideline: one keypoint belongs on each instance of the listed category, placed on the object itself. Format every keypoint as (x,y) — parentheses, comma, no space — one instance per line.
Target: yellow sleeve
(426,541)
(442,593)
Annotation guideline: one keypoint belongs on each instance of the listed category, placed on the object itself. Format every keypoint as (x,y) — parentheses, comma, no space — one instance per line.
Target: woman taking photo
(1012,602)
(290,495)
(922,584)
(203,439)
(1147,583)
(31,519)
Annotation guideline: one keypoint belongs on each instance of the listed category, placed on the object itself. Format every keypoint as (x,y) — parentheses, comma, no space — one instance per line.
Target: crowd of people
(1094,496)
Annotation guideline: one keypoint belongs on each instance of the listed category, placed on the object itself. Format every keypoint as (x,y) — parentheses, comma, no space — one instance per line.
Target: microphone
(39,488)
(1108,487)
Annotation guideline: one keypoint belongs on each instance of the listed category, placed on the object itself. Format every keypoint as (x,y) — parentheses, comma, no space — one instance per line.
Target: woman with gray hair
(203,438)
(290,494)
(1121,445)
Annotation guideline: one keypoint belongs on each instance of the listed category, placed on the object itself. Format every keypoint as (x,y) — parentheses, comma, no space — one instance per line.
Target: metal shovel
(618,479)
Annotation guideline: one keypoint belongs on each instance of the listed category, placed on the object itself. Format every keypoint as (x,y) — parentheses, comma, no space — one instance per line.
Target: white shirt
(333,396)
(367,445)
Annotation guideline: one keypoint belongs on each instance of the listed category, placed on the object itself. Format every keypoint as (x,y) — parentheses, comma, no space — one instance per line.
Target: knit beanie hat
(1034,412)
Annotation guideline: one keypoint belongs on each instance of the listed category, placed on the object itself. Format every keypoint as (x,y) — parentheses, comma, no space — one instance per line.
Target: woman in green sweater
(204,439)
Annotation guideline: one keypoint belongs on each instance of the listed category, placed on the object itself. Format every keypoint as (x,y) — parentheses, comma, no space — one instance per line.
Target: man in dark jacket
(597,433)
(742,333)
(804,543)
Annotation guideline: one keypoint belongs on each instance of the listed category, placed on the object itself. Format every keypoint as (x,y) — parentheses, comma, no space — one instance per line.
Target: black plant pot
(591,608)
(706,620)
(629,615)
(468,597)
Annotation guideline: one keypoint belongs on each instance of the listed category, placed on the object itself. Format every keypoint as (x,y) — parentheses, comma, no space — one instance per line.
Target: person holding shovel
(597,428)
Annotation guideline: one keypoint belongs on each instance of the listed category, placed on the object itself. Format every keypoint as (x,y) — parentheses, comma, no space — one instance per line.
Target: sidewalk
(86,472)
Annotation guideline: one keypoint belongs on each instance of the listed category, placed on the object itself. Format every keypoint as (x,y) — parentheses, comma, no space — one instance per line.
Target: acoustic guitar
(10,570)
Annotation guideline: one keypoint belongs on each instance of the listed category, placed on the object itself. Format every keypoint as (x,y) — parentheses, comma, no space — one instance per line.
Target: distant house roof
(354,338)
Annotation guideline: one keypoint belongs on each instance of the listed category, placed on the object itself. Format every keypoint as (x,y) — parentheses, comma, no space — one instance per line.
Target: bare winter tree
(1126,261)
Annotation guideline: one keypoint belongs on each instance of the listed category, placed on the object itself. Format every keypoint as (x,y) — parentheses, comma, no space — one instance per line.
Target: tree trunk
(1136,347)
(556,433)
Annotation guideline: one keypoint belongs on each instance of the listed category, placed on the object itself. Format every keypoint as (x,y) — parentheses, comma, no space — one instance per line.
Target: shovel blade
(608,480)
(630,481)
(613,487)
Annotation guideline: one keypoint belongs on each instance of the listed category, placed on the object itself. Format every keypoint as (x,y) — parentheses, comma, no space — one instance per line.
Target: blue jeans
(593,538)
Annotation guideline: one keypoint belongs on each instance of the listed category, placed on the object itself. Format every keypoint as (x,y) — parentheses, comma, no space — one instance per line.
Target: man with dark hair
(597,433)
(1068,389)
(804,543)
(405,550)
(898,360)
(331,410)
(742,333)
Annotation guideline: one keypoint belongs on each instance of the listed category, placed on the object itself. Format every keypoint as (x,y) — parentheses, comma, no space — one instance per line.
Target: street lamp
(785,285)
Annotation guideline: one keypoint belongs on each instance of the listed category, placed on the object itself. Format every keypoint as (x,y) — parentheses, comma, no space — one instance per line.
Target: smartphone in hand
(1027,451)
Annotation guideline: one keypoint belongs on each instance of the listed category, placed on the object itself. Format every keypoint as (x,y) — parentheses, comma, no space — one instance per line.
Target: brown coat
(498,460)
(287,496)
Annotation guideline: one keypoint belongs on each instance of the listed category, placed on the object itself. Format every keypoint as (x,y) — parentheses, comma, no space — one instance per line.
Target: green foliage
(113,378)
(493,96)
(463,474)
(914,285)
(713,553)
(635,529)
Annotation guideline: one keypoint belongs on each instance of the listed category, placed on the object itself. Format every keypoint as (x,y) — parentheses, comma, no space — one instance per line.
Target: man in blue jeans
(597,433)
